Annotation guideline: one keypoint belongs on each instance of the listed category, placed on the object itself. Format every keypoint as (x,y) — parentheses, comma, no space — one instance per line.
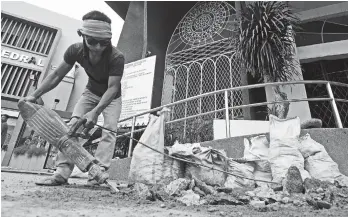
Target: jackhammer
(51,127)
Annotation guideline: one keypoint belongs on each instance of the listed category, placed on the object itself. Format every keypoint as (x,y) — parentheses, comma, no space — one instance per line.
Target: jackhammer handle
(80,122)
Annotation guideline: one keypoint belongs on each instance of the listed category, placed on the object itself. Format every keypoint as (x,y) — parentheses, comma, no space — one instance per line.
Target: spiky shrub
(266,47)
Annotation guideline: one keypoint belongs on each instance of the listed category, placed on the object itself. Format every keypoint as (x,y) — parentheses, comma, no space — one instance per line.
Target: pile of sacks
(285,148)
(285,158)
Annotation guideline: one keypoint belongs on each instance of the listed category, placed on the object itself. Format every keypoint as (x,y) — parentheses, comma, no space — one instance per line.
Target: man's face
(96,44)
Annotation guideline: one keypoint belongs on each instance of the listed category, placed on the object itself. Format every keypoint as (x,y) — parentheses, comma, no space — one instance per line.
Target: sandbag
(148,166)
(309,147)
(241,169)
(284,143)
(172,169)
(212,158)
(258,152)
(318,162)
(185,151)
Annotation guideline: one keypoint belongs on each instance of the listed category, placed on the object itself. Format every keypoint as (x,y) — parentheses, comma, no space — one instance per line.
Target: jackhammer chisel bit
(51,127)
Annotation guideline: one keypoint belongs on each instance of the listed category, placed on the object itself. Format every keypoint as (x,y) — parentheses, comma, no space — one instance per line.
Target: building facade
(33,42)
(195,55)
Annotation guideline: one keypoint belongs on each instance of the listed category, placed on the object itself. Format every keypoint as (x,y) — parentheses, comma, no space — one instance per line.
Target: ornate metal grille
(200,59)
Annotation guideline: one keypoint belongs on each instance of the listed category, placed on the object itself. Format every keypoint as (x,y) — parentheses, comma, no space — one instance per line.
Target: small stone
(297,203)
(323,205)
(285,200)
(222,213)
(244,198)
(163,205)
(203,202)
(189,198)
(142,190)
(275,208)
(250,193)
(257,204)
(198,191)
(320,190)
(212,209)
(177,186)
(293,181)
(172,205)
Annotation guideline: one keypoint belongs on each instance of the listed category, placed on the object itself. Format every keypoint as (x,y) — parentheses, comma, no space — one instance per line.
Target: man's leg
(63,164)
(106,146)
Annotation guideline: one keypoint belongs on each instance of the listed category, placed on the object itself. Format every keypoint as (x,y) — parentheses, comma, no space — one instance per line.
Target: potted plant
(266,46)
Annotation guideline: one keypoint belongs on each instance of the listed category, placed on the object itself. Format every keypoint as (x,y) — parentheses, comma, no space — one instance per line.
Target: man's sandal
(52,181)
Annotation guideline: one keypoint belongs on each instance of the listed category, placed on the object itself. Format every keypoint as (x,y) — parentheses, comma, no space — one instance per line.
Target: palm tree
(266,47)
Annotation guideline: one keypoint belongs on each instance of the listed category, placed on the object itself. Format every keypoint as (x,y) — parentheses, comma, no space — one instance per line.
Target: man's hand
(92,118)
(29,99)
(32,99)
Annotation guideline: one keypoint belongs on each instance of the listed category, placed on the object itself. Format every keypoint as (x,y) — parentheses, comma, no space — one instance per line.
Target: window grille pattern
(27,35)
(15,80)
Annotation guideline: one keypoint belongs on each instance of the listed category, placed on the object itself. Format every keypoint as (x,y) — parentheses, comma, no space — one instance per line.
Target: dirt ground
(21,197)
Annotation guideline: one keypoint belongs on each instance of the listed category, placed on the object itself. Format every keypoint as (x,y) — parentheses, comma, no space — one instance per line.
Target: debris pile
(286,170)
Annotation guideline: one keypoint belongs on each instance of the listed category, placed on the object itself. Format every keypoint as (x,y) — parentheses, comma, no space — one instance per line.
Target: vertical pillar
(239,5)
(133,41)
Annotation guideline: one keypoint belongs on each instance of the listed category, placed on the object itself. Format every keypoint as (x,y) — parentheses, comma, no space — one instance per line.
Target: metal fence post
(227,121)
(334,106)
(131,140)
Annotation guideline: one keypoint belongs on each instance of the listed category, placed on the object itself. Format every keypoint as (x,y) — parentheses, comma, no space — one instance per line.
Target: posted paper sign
(137,85)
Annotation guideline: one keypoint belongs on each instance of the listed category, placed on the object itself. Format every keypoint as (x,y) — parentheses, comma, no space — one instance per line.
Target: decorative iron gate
(200,59)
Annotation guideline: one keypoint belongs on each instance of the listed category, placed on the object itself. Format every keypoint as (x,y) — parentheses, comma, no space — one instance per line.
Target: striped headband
(96,28)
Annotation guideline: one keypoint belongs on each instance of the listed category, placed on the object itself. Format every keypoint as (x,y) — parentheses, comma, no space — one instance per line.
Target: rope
(186,161)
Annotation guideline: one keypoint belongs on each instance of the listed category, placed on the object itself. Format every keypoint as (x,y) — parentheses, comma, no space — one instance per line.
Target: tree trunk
(274,93)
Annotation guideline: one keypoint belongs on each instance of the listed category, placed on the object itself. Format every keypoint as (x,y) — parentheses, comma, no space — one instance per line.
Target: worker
(104,65)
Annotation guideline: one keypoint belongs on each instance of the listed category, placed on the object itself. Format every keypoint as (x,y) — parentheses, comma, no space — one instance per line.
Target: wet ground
(21,197)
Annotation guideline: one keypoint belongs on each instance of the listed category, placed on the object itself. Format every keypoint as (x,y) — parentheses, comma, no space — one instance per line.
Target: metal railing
(227,108)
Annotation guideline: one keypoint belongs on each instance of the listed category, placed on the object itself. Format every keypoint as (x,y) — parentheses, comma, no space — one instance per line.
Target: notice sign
(137,85)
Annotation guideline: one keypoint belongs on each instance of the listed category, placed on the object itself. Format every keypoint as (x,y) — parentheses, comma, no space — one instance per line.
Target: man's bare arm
(110,93)
(52,80)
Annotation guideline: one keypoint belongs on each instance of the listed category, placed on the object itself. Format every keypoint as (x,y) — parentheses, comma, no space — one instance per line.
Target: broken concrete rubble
(204,187)
(293,189)
(223,199)
(142,190)
(198,191)
(176,186)
(189,198)
(293,181)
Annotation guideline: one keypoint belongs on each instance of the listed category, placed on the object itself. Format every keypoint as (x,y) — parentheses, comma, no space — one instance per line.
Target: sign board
(137,85)
(22,58)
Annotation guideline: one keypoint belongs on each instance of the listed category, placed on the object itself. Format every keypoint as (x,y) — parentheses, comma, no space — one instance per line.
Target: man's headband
(96,28)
